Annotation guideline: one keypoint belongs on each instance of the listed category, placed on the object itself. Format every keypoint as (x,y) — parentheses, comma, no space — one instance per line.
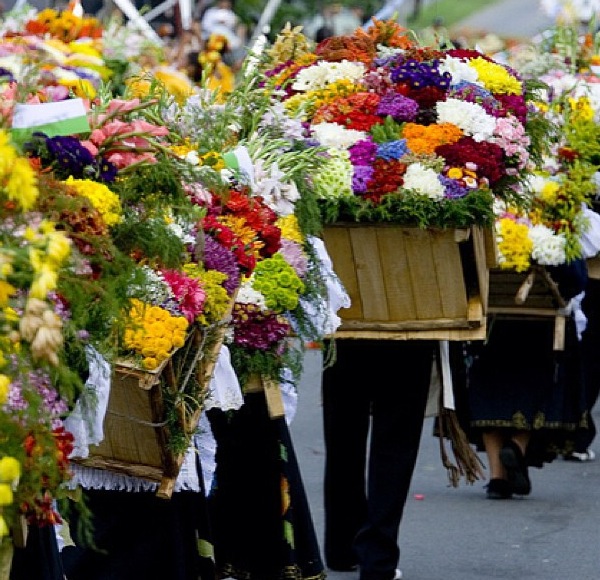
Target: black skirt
(262,526)
(139,536)
(40,558)
(517,381)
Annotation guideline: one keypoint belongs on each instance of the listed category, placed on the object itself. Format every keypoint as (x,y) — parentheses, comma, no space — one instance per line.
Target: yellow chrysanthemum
(58,248)
(10,469)
(6,291)
(101,197)
(514,246)
(8,154)
(6,494)
(157,333)
(581,109)
(21,185)
(4,385)
(549,192)
(290,229)
(496,78)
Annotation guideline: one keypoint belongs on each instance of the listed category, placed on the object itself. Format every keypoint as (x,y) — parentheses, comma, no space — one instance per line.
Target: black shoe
(499,489)
(517,472)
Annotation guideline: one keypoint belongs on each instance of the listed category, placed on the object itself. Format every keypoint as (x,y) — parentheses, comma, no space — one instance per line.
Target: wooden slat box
(532,294)
(409,282)
(136,437)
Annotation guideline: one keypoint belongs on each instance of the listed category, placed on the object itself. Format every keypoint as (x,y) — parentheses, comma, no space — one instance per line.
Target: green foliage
(389,130)
(412,210)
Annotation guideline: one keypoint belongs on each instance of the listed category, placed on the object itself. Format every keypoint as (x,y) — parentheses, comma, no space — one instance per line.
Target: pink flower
(188,292)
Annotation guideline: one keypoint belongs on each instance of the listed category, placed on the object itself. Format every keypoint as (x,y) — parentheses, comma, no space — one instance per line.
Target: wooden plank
(369,274)
(593,265)
(482,263)
(337,241)
(449,273)
(478,333)
(400,295)
(423,275)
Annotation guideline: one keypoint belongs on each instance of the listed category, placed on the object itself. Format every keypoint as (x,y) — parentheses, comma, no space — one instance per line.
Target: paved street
(458,534)
(508,18)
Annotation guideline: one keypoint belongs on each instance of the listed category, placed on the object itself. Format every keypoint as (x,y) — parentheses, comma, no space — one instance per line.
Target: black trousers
(591,361)
(378,389)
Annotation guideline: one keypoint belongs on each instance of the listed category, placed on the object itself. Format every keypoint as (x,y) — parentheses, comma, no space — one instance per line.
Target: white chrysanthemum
(270,183)
(324,73)
(471,118)
(154,290)
(334,136)
(248,295)
(423,180)
(459,70)
(536,183)
(548,247)
(182,230)
(192,157)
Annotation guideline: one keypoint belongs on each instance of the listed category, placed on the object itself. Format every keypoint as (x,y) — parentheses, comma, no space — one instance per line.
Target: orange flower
(425,139)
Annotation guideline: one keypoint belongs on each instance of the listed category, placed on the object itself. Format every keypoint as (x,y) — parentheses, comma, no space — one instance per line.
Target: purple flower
(363,152)
(453,189)
(256,329)
(398,106)
(217,257)
(294,256)
(361,177)
(421,74)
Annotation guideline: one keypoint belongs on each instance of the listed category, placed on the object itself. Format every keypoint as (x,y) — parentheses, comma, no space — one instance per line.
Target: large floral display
(415,135)
(129,224)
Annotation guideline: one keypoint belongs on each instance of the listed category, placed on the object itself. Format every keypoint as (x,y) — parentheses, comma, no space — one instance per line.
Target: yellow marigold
(10,469)
(549,193)
(58,248)
(581,109)
(6,291)
(154,333)
(4,531)
(514,246)
(101,197)
(21,185)
(496,78)
(6,494)
(4,384)
(8,154)
(290,229)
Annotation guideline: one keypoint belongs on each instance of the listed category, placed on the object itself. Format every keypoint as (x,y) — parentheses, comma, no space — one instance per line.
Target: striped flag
(60,118)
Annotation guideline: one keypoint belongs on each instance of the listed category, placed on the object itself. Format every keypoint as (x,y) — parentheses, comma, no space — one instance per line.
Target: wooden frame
(409,282)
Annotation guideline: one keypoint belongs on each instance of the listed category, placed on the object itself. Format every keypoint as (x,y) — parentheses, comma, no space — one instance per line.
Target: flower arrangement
(548,229)
(37,381)
(416,136)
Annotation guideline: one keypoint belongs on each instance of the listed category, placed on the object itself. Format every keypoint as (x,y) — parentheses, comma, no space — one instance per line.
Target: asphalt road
(457,533)
(508,18)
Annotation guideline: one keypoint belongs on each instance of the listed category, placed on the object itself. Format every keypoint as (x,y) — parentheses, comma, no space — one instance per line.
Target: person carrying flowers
(415,136)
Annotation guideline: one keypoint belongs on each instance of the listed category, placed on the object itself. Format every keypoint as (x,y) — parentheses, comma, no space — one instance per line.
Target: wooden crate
(409,282)
(136,436)
(531,294)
